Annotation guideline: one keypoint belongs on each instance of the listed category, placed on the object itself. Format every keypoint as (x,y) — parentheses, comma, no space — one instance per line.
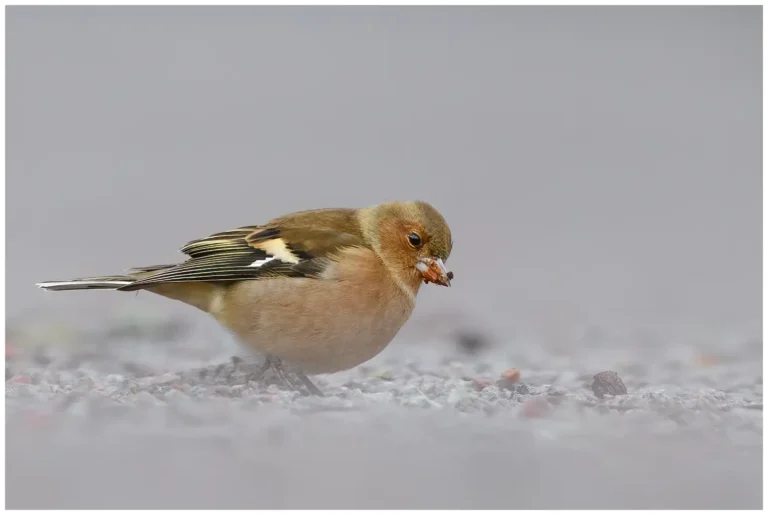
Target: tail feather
(202,295)
(110,282)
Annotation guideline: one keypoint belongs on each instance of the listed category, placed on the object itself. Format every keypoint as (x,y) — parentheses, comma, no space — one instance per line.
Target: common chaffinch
(324,290)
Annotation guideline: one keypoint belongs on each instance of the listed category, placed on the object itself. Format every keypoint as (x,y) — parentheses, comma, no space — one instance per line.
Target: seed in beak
(433,271)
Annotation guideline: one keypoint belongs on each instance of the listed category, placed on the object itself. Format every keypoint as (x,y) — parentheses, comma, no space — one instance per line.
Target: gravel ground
(158,414)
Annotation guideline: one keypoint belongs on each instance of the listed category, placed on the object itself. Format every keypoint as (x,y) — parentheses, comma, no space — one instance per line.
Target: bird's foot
(275,364)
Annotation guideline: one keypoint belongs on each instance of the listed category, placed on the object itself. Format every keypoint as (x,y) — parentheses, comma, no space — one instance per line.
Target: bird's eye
(414,239)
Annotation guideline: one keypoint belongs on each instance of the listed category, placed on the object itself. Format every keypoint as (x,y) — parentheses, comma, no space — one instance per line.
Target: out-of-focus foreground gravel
(157,414)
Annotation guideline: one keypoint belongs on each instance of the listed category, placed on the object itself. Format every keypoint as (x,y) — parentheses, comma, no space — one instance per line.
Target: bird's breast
(319,325)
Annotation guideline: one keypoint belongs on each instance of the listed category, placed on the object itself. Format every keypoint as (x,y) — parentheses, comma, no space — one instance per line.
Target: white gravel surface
(152,414)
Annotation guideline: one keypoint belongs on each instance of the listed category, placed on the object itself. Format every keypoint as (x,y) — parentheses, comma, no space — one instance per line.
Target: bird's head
(411,238)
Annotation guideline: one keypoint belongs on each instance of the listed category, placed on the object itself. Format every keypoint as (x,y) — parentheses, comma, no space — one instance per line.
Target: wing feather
(252,252)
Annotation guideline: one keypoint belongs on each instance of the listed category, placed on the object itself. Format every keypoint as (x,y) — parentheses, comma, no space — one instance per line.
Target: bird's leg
(276,365)
(258,374)
(314,390)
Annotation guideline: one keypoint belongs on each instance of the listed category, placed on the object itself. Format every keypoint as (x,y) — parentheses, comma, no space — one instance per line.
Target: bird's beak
(433,271)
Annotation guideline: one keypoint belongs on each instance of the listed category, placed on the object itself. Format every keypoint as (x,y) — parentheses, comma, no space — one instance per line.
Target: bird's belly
(327,354)
(317,340)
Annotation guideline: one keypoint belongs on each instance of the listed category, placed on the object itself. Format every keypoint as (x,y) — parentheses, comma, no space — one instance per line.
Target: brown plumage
(324,290)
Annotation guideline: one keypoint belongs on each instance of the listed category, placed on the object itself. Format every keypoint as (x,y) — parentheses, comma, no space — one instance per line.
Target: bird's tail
(198,294)
(108,282)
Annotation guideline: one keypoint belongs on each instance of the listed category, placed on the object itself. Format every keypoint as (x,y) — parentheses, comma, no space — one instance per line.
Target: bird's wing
(277,249)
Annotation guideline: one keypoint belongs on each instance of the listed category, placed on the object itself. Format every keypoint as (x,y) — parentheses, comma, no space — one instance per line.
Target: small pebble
(509,379)
(608,383)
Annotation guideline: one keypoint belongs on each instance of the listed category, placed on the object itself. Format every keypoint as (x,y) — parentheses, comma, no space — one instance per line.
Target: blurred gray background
(599,166)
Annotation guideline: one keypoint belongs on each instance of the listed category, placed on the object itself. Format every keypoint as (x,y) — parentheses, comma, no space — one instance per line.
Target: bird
(321,290)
